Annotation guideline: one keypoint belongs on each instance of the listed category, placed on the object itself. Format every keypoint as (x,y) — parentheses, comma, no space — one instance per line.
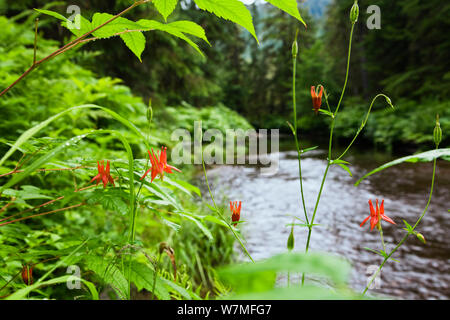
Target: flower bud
(27,274)
(294,48)
(437,133)
(389,102)
(421,238)
(354,12)
(290,243)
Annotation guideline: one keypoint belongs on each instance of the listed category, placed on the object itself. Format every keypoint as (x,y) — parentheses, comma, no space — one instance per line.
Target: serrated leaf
(191,28)
(80,26)
(135,41)
(111,199)
(233,10)
(170,28)
(289,6)
(143,277)
(112,28)
(165,7)
(109,273)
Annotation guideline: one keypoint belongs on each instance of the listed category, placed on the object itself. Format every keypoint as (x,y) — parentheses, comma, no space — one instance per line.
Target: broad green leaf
(306,292)
(135,41)
(80,26)
(191,28)
(421,157)
(144,278)
(289,6)
(173,29)
(109,273)
(332,267)
(113,199)
(233,10)
(165,7)
(112,28)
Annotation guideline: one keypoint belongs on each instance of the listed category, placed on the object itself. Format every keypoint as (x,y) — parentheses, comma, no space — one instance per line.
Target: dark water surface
(422,272)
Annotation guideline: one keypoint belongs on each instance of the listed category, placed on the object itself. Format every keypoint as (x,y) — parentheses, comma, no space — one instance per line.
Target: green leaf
(233,10)
(309,149)
(332,267)
(171,28)
(109,273)
(144,278)
(191,28)
(52,13)
(184,186)
(421,157)
(111,199)
(326,112)
(165,7)
(135,41)
(289,6)
(84,26)
(22,293)
(34,130)
(112,28)
(343,166)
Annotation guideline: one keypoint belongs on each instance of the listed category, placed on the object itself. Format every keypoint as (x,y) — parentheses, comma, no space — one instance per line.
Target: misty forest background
(407,59)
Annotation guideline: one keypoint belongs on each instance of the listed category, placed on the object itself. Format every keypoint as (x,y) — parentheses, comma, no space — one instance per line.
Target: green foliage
(258,280)
(420,157)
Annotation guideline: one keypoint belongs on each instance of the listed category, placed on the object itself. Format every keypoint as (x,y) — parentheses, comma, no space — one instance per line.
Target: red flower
(159,164)
(316,98)
(103,174)
(236,211)
(375,216)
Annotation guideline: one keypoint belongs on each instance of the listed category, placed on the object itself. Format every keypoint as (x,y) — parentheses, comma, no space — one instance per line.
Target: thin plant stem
(299,153)
(407,235)
(217,208)
(382,239)
(311,224)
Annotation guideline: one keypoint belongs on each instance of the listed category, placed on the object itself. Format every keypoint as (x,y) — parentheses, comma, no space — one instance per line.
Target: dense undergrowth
(34,241)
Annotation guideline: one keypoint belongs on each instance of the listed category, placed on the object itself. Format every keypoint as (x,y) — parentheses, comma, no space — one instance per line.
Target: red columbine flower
(376,216)
(316,98)
(159,164)
(236,211)
(103,174)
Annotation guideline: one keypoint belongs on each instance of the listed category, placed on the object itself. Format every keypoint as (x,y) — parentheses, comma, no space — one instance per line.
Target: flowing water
(269,202)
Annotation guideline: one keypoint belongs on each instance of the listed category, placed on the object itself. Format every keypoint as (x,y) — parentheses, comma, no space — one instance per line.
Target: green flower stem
(311,225)
(220,214)
(299,153)
(381,236)
(407,235)
(362,125)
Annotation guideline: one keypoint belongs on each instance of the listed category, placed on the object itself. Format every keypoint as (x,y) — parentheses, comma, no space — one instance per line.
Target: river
(268,203)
